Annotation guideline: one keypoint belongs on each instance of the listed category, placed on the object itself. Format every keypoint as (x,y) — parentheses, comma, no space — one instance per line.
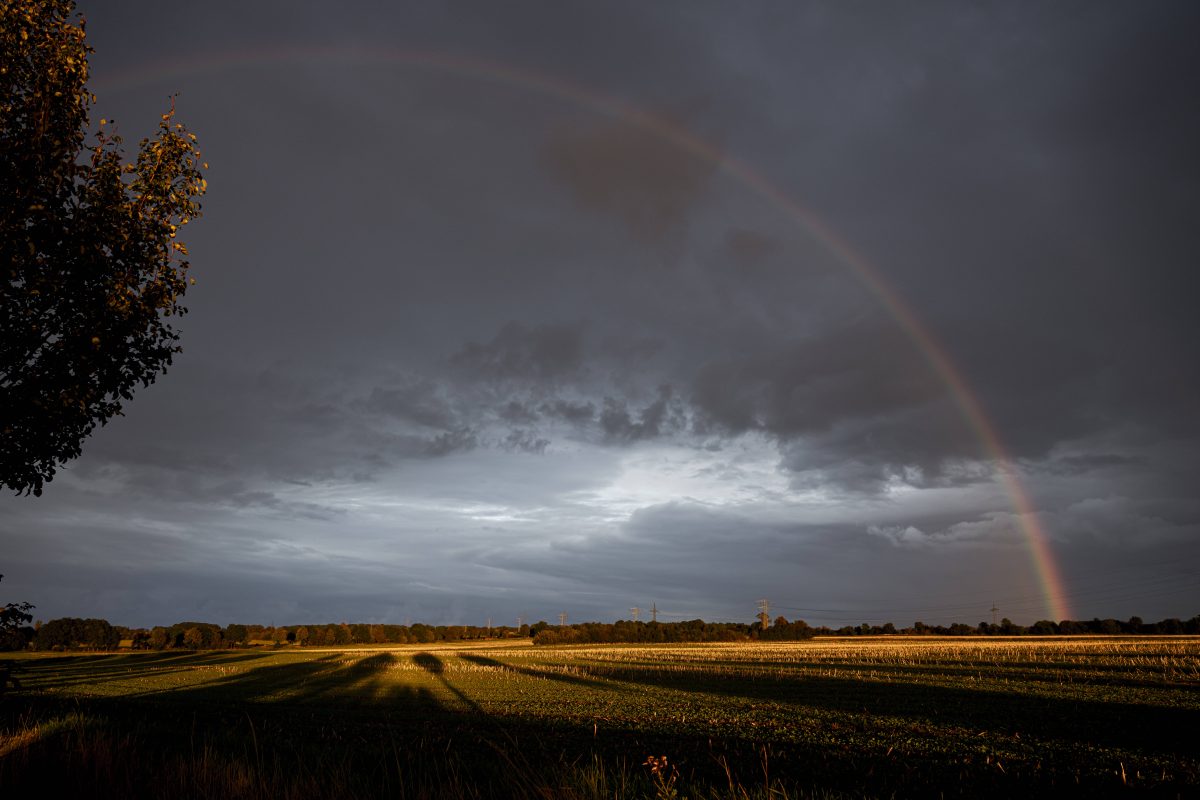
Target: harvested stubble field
(926,717)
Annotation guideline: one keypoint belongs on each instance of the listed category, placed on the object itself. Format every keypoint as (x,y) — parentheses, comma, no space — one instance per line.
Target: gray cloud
(457,441)
(574,412)
(420,402)
(625,169)
(664,415)
(519,351)
(525,441)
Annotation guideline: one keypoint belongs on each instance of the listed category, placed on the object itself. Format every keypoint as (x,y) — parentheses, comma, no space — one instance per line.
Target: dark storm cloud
(622,169)
(852,373)
(420,401)
(457,441)
(525,441)
(749,248)
(542,352)
(518,413)
(664,415)
(1090,462)
(574,412)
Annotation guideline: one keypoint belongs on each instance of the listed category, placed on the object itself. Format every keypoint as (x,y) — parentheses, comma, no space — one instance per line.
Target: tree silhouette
(88,242)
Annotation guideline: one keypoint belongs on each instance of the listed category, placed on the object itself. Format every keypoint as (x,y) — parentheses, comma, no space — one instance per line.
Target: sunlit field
(960,717)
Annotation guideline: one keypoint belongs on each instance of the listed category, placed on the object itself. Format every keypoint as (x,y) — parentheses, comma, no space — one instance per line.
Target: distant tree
(1010,628)
(159,638)
(92,268)
(235,634)
(15,634)
(70,633)
(14,617)
(420,633)
(206,635)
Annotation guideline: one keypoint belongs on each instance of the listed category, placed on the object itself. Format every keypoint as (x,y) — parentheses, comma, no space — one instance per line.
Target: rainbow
(1045,566)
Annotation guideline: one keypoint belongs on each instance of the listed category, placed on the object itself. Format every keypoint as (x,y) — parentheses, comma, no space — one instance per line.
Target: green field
(920,717)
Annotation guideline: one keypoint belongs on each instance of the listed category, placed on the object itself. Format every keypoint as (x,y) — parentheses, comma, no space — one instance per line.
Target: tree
(235,634)
(88,242)
(14,617)
(69,633)
(160,638)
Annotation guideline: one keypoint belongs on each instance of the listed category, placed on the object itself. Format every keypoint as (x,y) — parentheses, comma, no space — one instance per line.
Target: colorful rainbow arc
(1044,564)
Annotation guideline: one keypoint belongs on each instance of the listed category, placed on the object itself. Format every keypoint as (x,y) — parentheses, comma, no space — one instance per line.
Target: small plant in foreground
(664,776)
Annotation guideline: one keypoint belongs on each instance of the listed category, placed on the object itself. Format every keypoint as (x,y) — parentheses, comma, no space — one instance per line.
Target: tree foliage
(70,633)
(14,617)
(94,269)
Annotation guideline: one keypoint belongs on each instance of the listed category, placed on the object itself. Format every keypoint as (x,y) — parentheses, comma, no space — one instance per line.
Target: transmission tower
(635,611)
(994,610)
(562,618)
(764,613)
(654,612)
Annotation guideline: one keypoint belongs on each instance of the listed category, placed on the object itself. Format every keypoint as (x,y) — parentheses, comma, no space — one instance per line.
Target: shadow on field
(546,674)
(1043,672)
(313,680)
(339,725)
(1141,728)
(64,672)
(437,668)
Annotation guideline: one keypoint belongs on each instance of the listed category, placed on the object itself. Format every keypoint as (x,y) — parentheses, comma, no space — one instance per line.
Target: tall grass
(76,755)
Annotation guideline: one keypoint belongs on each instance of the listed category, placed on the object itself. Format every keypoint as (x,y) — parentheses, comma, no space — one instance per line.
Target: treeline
(781,630)
(92,634)
(696,630)
(1134,626)
(70,633)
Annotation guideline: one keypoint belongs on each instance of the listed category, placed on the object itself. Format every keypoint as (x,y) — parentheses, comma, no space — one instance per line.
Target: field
(883,717)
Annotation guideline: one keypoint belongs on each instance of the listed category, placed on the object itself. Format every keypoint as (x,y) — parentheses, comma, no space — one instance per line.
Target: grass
(873,717)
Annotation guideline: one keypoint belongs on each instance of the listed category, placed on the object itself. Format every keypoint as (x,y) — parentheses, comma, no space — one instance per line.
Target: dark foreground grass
(962,718)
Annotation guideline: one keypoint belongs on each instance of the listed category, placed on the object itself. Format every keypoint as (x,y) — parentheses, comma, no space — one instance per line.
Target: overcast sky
(520,308)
